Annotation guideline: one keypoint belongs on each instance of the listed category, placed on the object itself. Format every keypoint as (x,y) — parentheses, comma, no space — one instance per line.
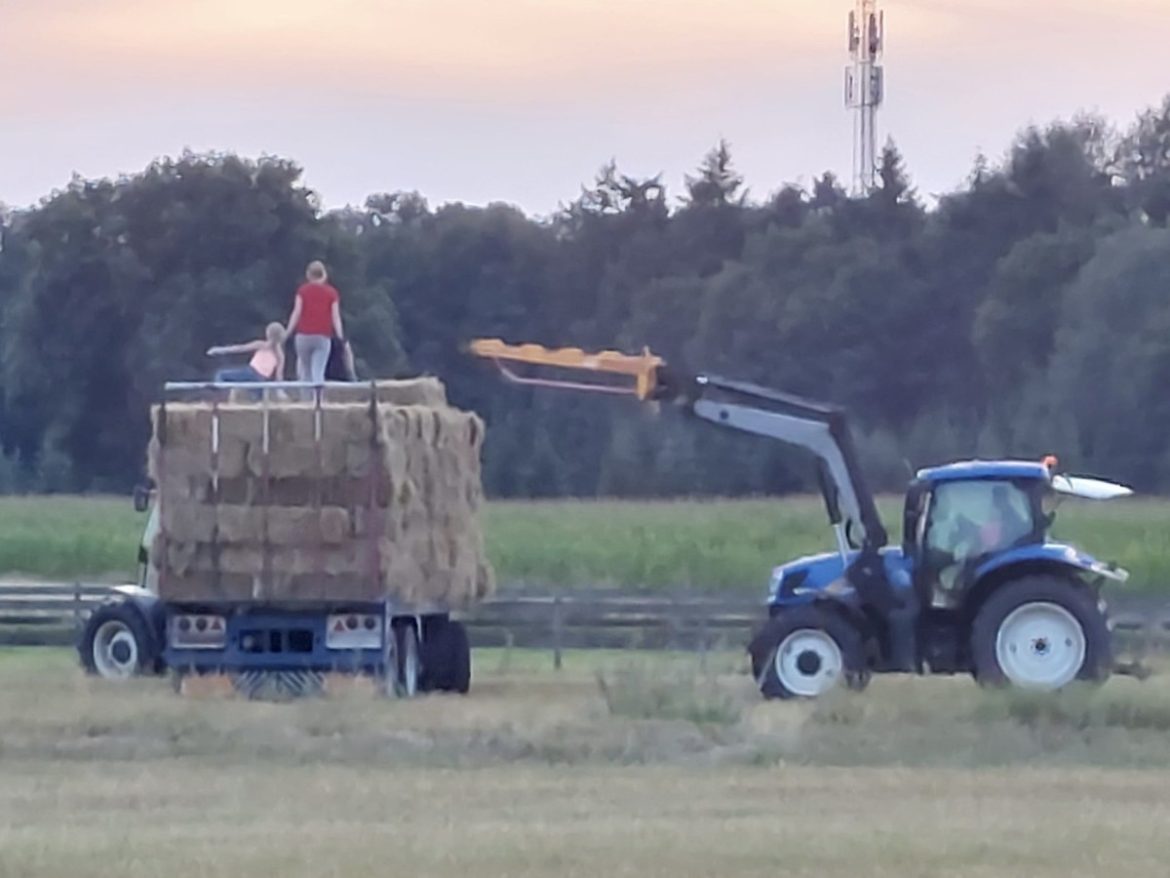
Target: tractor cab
(960,519)
(963,514)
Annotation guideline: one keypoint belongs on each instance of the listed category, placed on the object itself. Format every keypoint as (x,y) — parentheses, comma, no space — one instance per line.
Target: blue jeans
(241,375)
(312,357)
(238,375)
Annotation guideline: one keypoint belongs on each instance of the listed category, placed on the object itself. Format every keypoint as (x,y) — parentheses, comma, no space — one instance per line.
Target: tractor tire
(806,652)
(1040,632)
(446,657)
(116,643)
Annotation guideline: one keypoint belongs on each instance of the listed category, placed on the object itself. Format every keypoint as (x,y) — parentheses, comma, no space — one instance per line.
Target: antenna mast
(865,89)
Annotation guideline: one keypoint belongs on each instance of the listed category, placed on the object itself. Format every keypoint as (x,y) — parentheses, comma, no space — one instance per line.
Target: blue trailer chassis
(261,639)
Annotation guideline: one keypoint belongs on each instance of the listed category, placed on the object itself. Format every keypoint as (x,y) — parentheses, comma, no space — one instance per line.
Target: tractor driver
(968,522)
(1006,524)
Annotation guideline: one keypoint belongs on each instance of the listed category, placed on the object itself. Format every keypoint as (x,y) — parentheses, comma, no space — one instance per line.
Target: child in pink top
(267,363)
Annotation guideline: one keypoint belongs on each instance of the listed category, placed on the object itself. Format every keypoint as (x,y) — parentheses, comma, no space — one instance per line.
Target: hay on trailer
(411,391)
(279,525)
(327,504)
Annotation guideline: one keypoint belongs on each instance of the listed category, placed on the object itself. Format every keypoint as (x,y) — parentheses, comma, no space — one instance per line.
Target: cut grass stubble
(616,765)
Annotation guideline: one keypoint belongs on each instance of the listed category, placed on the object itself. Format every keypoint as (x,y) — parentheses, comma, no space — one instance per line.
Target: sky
(522,101)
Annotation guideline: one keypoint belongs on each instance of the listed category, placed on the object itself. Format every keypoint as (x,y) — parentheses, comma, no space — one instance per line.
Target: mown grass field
(661,771)
(718,544)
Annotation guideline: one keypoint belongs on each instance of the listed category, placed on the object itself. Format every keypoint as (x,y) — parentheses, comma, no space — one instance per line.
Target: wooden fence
(51,614)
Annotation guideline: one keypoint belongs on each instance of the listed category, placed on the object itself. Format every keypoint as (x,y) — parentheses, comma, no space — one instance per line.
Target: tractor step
(1133,669)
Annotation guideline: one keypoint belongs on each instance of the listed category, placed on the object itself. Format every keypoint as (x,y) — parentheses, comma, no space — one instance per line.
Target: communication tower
(865,89)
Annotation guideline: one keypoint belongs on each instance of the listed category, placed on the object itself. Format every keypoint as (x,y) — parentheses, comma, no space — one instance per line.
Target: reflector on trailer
(352,631)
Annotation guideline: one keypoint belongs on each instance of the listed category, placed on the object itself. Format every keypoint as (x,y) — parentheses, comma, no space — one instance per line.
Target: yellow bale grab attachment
(643,368)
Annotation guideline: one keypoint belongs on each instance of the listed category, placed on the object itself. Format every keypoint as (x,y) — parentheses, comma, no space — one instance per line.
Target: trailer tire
(407,661)
(116,643)
(1040,632)
(806,651)
(446,657)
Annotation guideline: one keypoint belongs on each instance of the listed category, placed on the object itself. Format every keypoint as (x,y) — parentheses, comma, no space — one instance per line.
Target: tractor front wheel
(1040,633)
(806,652)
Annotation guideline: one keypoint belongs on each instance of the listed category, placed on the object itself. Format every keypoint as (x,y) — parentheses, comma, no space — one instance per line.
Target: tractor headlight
(838,587)
(775,582)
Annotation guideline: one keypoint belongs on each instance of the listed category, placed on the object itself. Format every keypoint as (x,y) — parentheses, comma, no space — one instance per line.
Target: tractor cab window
(972,519)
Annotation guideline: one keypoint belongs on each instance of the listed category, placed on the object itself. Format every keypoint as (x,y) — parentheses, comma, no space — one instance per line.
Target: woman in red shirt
(316,319)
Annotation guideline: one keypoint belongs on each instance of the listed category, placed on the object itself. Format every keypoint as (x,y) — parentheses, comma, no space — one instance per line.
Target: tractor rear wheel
(1042,633)
(808,651)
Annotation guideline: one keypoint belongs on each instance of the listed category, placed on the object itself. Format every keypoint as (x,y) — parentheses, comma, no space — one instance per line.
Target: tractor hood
(803,580)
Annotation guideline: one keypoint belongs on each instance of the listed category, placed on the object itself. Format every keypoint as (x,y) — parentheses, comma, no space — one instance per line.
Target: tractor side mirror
(142,498)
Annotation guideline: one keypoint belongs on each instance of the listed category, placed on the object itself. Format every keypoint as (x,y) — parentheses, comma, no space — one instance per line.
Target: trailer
(263,646)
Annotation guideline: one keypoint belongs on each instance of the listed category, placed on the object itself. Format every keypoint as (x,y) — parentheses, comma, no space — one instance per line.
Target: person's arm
(245,348)
(279,351)
(294,318)
(338,329)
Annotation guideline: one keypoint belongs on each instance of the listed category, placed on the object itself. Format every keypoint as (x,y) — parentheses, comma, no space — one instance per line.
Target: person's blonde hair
(274,332)
(316,271)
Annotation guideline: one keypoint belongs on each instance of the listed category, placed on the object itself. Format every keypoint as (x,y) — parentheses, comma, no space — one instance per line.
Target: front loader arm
(821,429)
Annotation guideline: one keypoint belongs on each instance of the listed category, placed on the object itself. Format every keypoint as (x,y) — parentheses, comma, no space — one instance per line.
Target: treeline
(1026,313)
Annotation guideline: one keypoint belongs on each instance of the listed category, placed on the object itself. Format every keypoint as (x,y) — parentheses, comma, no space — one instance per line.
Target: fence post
(558,632)
(703,641)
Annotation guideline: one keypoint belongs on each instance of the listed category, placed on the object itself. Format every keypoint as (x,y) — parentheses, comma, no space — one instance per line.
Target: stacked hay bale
(385,504)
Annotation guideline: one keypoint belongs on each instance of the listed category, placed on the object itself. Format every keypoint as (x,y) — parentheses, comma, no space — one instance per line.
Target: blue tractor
(977,585)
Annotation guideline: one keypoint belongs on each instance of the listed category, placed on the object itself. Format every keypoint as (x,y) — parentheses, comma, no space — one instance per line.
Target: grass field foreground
(692,544)
(541,773)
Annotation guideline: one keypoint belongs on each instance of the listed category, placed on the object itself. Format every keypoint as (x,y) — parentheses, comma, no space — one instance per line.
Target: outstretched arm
(245,348)
(294,318)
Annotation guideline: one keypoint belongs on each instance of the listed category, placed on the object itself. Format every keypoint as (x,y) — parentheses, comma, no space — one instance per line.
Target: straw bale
(193,522)
(283,589)
(251,490)
(385,507)
(411,391)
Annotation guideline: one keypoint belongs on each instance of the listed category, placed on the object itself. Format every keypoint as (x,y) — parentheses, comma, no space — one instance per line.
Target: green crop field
(622,766)
(710,544)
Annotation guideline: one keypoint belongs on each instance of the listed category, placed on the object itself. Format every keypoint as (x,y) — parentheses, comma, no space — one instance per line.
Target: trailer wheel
(446,657)
(116,643)
(806,652)
(458,659)
(408,663)
(1040,633)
